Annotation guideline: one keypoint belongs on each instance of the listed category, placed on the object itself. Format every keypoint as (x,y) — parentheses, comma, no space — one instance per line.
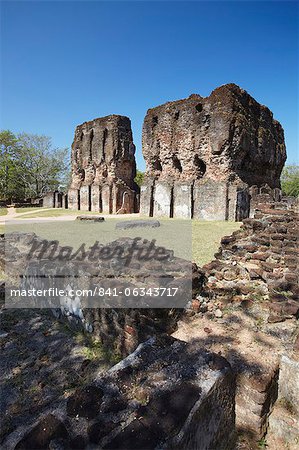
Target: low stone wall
(120,322)
(167,394)
(254,275)
(259,260)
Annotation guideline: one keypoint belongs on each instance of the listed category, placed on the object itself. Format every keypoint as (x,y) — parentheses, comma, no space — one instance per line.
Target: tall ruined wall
(209,149)
(103,166)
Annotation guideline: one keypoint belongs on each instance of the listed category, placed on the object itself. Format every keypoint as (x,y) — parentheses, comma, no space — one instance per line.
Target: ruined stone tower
(205,157)
(103,167)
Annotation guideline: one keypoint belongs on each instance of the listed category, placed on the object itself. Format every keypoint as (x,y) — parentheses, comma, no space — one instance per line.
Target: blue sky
(64,63)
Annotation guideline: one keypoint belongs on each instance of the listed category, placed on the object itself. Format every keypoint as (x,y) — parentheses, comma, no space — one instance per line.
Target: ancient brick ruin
(253,284)
(206,157)
(103,167)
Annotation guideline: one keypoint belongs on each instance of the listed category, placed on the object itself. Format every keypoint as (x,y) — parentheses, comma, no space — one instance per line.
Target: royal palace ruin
(103,166)
(206,158)
(103,169)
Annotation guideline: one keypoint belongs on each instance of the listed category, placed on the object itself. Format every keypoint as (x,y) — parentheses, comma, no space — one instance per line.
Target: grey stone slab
(128,224)
(91,218)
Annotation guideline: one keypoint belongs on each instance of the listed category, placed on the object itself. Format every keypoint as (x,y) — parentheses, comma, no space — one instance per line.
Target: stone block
(162,199)
(73,199)
(210,200)
(95,198)
(288,386)
(182,200)
(91,218)
(84,198)
(128,224)
(107,199)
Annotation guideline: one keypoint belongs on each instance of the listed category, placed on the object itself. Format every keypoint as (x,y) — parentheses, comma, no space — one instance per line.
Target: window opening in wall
(157,165)
(200,165)
(105,135)
(177,164)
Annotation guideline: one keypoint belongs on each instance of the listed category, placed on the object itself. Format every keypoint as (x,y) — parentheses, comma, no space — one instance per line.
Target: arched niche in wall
(157,165)
(91,136)
(177,163)
(155,121)
(104,141)
(200,166)
(82,174)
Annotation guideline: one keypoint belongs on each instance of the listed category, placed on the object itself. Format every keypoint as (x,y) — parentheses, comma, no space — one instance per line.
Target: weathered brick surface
(266,251)
(217,147)
(248,307)
(103,166)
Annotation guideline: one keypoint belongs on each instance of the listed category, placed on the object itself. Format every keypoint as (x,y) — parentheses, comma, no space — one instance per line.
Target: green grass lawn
(206,238)
(29,209)
(190,239)
(54,212)
(3,211)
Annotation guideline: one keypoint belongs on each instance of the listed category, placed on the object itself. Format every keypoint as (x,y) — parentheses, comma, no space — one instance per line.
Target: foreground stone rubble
(232,363)
(167,394)
(248,312)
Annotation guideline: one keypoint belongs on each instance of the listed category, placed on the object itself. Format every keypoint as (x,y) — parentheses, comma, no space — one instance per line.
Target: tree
(290,180)
(34,166)
(8,149)
(139,177)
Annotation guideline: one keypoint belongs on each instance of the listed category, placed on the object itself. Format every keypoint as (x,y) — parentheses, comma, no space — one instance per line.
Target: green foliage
(290,180)
(262,443)
(30,166)
(139,178)
(8,150)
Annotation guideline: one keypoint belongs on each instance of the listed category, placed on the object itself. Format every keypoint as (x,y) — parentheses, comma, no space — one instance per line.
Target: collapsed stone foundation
(248,310)
(253,283)
(167,394)
(120,322)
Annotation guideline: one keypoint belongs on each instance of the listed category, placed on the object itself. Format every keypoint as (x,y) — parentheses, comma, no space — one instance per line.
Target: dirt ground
(42,363)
